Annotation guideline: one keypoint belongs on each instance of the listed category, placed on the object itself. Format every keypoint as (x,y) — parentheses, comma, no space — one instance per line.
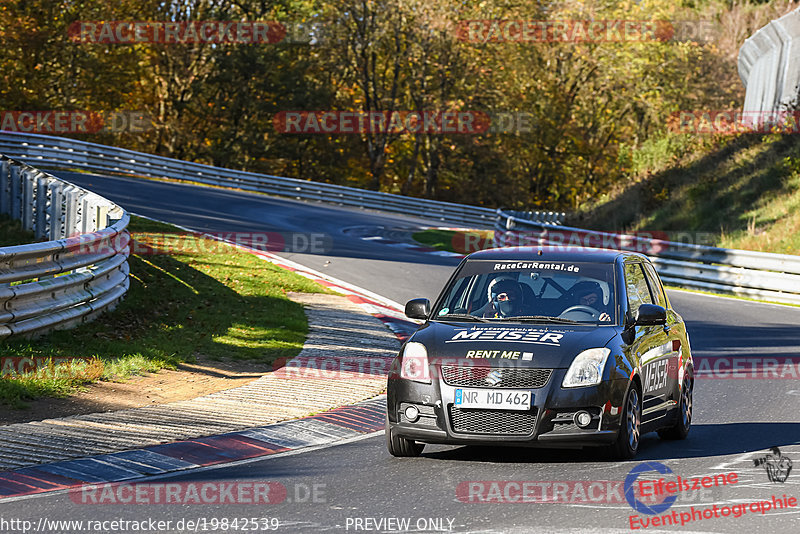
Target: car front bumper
(549,422)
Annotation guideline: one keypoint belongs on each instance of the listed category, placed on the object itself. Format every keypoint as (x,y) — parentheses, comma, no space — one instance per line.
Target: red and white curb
(326,428)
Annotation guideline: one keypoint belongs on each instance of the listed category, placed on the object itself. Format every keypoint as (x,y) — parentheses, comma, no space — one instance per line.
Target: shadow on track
(704,440)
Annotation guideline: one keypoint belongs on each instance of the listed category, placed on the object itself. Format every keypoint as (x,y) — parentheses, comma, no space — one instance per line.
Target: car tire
(402,447)
(627,444)
(684,420)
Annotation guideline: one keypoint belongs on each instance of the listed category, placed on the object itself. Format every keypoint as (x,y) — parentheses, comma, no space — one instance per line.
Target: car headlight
(586,368)
(415,363)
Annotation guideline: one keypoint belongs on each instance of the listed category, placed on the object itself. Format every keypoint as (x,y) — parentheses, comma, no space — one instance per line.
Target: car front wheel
(627,444)
(402,447)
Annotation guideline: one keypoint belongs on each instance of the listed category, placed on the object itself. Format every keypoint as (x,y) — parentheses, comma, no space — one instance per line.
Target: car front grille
(501,377)
(500,422)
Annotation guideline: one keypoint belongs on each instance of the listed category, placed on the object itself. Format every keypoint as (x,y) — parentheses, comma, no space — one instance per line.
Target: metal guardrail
(544,217)
(774,277)
(769,66)
(61,153)
(81,271)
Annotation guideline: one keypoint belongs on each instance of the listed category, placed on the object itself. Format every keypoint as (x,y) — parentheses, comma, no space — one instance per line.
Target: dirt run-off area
(187,382)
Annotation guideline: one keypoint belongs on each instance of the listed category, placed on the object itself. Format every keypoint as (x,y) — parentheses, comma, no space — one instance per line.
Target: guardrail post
(72,216)
(101,216)
(87,219)
(5,188)
(27,201)
(54,228)
(40,224)
(16,204)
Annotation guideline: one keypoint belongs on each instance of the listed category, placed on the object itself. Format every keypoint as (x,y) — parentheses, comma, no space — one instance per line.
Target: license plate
(497,399)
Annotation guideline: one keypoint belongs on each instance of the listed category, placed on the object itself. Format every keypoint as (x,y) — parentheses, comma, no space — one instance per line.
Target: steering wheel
(581,308)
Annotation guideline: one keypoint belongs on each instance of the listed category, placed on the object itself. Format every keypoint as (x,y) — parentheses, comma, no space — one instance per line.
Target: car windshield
(530,291)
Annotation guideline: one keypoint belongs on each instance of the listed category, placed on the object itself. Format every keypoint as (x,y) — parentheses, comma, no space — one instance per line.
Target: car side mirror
(418,308)
(651,315)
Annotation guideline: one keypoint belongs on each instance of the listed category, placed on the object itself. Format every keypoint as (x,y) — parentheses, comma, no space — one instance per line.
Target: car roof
(554,253)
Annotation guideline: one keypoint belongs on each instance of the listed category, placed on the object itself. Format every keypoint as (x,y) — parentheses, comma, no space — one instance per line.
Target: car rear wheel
(684,421)
(402,447)
(627,444)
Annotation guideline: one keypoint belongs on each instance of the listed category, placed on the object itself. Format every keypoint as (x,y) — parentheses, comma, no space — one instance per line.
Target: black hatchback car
(527,347)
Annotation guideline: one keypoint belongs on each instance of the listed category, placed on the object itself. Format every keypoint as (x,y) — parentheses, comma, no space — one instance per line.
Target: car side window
(636,286)
(655,285)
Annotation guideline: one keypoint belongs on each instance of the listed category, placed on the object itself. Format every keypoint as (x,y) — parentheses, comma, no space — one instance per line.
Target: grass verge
(733,191)
(189,296)
(462,242)
(11,232)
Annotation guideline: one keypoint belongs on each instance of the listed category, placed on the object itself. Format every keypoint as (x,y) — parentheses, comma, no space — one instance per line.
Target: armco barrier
(774,277)
(769,66)
(769,276)
(81,271)
(48,152)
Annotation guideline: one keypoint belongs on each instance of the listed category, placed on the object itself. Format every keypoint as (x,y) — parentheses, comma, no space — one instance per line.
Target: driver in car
(590,295)
(505,300)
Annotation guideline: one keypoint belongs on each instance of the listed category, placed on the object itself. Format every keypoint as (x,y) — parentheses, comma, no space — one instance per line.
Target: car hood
(499,344)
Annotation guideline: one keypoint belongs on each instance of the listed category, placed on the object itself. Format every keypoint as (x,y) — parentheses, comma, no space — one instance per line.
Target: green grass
(11,233)
(743,191)
(202,298)
(731,191)
(455,240)
(438,239)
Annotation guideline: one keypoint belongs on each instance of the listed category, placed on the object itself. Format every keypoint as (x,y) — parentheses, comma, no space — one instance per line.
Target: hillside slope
(737,192)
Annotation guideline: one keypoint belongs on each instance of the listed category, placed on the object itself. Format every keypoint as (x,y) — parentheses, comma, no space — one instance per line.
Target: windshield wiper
(545,318)
(460,316)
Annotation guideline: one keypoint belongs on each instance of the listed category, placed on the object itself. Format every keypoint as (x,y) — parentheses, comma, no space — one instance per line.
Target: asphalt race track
(358,487)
